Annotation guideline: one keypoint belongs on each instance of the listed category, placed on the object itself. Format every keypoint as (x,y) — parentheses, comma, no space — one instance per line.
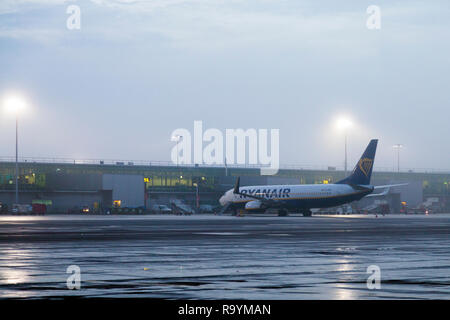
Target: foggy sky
(137,70)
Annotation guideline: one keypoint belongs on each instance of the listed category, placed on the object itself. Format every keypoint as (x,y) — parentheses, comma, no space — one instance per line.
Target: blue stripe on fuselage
(310,203)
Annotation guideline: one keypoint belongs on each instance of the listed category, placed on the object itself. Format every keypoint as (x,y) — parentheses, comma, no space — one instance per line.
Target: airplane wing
(390,185)
(385,192)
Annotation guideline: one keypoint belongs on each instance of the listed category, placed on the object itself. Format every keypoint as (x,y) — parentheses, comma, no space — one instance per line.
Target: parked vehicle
(3,208)
(205,208)
(77,210)
(22,209)
(160,209)
(208,208)
(38,208)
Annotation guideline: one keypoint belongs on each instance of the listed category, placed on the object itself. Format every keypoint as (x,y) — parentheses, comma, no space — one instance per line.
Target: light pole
(15,104)
(197,196)
(226,167)
(345,165)
(344,124)
(398,147)
(17,158)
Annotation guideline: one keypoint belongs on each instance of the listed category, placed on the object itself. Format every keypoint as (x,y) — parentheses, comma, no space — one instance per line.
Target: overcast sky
(137,70)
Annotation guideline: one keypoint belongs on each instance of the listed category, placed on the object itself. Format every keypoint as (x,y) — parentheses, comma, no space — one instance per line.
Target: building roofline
(141,164)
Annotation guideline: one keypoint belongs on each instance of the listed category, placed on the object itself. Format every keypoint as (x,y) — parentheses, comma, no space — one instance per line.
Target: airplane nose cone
(222,200)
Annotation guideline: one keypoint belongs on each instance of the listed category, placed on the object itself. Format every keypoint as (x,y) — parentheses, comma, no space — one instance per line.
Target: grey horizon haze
(137,70)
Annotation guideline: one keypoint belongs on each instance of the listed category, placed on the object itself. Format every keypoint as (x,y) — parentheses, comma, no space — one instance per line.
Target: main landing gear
(282,213)
(307,213)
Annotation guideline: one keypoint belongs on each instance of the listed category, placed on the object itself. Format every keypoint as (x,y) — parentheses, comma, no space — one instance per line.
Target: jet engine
(255,205)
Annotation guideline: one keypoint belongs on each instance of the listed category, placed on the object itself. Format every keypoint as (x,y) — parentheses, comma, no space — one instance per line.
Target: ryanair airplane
(303,198)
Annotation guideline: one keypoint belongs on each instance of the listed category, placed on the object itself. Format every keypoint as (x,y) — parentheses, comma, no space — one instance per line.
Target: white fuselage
(312,195)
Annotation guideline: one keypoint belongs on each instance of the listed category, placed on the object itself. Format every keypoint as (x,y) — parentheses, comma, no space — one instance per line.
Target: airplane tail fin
(363,170)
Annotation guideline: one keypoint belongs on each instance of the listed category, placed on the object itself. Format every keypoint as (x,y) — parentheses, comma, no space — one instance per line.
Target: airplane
(303,198)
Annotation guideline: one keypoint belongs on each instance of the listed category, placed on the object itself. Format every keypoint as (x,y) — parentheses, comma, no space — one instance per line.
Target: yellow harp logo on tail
(365,165)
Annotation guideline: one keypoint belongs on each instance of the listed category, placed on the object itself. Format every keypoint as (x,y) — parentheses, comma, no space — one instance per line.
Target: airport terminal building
(63,186)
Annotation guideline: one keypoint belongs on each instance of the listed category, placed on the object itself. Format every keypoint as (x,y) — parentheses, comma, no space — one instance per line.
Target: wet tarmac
(224,257)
